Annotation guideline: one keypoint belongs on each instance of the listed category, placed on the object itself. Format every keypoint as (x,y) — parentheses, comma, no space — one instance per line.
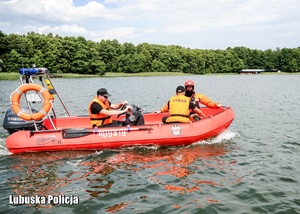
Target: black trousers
(115,123)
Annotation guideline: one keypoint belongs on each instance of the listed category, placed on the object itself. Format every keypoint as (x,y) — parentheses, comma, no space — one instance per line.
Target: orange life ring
(16,96)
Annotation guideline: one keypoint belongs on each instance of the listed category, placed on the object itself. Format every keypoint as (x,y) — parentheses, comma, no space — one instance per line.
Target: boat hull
(74,133)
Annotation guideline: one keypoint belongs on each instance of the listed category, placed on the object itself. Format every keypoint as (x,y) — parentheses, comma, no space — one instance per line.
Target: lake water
(253,167)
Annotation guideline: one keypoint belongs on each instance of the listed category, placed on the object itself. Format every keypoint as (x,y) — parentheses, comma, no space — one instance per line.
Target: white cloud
(148,6)
(60,30)
(190,23)
(54,10)
(119,33)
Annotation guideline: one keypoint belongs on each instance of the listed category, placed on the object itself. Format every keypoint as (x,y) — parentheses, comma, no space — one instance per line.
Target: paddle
(81,132)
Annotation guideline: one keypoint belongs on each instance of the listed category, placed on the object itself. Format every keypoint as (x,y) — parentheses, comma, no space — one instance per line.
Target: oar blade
(75,133)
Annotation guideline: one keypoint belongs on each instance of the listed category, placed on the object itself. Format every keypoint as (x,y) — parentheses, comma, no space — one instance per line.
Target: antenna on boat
(22,61)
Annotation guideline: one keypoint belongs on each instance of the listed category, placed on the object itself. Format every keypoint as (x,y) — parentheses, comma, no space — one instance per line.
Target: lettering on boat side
(115,133)
(45,139)
(176,130)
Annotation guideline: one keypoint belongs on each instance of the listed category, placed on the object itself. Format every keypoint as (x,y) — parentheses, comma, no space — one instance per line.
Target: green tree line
(81,56)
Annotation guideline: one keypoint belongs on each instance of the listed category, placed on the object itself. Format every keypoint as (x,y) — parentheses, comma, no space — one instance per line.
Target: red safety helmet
(189,82)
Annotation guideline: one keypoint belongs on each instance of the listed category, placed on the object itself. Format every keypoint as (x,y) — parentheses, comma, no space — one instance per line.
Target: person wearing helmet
(179,107)
(198,98)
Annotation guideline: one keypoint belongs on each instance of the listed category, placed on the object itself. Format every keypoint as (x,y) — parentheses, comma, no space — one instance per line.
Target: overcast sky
(203,24)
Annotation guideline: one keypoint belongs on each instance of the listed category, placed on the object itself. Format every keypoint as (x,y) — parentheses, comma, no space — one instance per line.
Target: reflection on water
(179,170)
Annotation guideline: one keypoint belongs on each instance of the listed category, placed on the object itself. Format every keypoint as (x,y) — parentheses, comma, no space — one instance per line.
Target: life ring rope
(17,94)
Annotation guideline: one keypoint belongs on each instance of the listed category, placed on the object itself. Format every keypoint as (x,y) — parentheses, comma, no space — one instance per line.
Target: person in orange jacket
(197,97)
(100,110)
(179,107)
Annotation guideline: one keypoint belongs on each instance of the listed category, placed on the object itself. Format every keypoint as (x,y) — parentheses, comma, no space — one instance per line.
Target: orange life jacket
(99,119)
(179,108)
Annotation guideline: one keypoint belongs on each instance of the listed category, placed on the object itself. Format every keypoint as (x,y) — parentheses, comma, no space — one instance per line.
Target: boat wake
(221,138)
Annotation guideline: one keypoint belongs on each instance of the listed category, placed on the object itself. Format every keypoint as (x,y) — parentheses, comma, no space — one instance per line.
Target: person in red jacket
(197,97)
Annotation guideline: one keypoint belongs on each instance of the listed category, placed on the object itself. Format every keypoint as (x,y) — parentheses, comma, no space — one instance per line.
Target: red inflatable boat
(51,133)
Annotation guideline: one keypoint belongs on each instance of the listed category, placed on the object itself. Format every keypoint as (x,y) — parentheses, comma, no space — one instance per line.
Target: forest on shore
(80,56)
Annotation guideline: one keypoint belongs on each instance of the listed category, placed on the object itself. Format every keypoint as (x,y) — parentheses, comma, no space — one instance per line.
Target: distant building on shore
(251,71)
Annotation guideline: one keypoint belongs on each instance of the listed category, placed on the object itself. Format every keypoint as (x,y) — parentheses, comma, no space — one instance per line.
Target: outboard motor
(12,122)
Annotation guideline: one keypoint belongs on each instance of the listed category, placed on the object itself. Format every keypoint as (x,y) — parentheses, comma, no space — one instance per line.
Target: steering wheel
(122,108)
